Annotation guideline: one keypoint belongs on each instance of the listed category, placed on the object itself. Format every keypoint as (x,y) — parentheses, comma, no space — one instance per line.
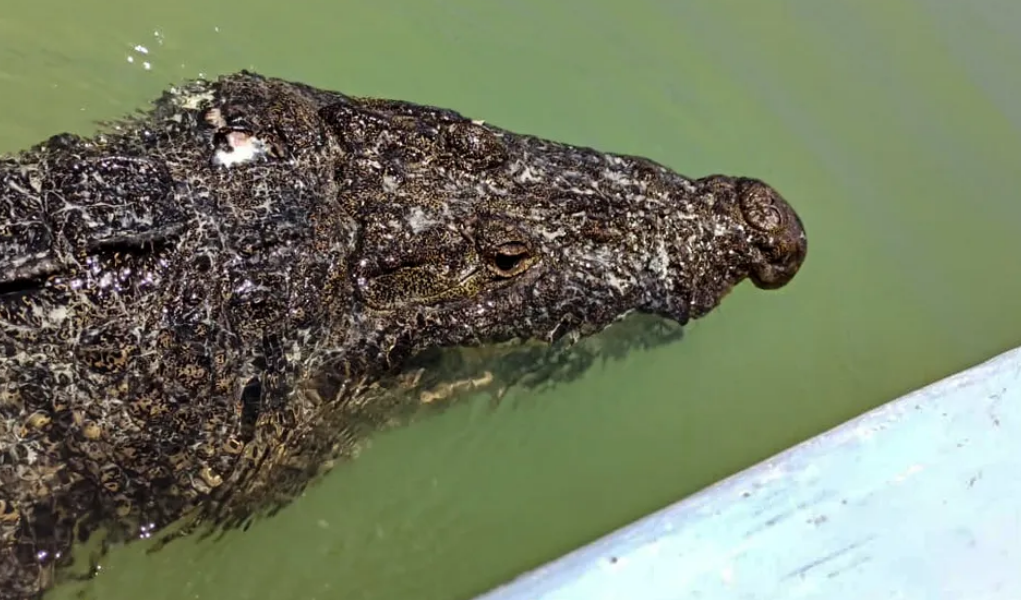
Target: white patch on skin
(721,229)
(553,235)
(390,183)
(619,284)
(57,315)
(193,101)
(19,261)
(660,262)
(600,264)
(294,354)
(244,148)
(524,173)
(419,221)
(620,178)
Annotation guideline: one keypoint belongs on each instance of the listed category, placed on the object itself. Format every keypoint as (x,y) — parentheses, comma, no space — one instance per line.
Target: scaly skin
(202,305)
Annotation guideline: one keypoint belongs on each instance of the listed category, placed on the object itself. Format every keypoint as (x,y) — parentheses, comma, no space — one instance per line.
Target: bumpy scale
(202,305)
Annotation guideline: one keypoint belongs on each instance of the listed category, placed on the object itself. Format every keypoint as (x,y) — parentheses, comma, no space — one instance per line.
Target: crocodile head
(167,285)
(471,234)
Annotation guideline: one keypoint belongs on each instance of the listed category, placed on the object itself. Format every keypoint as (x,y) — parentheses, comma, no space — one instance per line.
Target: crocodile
(206,303)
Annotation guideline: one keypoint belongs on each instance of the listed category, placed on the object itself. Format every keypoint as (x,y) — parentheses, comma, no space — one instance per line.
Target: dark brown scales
(202,306)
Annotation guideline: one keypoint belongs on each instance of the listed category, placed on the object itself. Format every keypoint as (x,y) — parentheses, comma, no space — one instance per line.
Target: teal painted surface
(918,499)
(891,125)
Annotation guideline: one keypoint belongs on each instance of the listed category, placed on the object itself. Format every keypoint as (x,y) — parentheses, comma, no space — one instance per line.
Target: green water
(892,126)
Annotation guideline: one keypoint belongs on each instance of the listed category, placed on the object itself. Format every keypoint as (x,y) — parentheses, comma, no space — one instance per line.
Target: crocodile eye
(509,259)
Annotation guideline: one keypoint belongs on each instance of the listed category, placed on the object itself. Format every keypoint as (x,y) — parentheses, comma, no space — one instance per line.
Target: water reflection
(432,383)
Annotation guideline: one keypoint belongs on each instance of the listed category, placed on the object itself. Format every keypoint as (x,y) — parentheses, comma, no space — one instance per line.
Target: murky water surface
(892,126)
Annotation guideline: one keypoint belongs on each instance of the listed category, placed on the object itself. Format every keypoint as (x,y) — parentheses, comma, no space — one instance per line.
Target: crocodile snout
(780,244)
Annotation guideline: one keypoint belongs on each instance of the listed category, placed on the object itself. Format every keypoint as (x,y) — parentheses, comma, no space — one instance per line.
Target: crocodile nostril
(759,207)
(785,245)
(766,218)
(781,258)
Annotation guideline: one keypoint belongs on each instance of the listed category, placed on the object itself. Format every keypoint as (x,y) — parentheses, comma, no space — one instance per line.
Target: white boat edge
(918,498)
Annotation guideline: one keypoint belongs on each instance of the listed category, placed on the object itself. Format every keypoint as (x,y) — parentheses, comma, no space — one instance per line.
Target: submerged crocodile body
(201,305)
